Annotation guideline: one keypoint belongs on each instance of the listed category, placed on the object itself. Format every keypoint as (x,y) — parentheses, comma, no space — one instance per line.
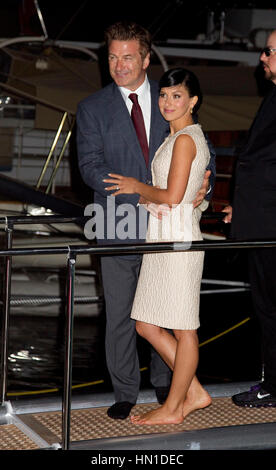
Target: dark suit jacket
(107,142)
(254,200)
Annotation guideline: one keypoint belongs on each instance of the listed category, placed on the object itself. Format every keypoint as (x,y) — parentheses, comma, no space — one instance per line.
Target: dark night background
(85,20)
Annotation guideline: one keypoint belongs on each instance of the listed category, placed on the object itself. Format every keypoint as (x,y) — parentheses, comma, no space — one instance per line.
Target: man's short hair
(127,31)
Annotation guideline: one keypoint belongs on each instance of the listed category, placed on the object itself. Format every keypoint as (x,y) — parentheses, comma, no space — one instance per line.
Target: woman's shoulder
(192,130)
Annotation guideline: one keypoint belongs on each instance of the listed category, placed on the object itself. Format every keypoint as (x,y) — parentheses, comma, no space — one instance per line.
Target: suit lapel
(157,124)
(123,123)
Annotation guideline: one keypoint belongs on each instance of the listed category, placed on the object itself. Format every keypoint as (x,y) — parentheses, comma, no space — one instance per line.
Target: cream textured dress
(168,289)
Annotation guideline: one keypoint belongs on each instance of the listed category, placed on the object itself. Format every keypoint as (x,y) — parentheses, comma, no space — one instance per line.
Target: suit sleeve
(211,166)
(91,155)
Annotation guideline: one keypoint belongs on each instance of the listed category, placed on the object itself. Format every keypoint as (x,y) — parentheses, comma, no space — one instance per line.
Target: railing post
(51,150)
(6,314)
(67,385)
(60,157)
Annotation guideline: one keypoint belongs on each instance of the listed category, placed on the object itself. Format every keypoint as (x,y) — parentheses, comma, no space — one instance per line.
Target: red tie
(138,122)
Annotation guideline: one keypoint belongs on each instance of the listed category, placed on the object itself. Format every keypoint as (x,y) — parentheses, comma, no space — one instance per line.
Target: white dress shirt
(144,100)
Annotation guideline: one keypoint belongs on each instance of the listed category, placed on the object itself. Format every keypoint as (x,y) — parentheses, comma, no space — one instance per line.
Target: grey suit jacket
(107,142)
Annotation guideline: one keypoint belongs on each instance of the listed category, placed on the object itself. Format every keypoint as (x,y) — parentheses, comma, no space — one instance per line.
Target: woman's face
(175,102)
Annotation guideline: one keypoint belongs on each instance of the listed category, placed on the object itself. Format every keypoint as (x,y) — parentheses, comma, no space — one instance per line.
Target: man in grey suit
(107,142)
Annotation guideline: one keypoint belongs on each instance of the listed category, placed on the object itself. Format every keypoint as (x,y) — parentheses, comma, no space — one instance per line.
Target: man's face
(126,66)
(269,63)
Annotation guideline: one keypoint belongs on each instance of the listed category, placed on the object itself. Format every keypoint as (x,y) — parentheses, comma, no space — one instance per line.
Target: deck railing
(72,252)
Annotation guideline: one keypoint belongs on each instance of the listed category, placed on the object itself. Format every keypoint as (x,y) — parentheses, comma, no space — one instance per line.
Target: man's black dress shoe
(162,394)
(120,410)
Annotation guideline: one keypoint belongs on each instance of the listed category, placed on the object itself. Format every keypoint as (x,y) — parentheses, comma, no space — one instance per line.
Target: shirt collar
(141,91)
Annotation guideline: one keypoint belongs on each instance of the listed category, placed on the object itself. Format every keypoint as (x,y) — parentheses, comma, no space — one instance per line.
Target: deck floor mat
(93,423)
(12,438)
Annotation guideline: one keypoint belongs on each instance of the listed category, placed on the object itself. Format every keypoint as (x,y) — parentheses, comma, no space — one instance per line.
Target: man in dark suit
(254,217)
(107,142)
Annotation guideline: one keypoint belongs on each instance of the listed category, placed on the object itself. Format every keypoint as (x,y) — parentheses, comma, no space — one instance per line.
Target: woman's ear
(194,100)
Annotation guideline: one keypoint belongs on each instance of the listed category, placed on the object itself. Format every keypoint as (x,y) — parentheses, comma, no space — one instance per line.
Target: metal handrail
(140,248)
(72,252)
(41,219)
(62,122)
(37,219)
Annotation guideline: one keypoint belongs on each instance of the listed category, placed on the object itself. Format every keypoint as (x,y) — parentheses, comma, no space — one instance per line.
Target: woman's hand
(122,184)
(158,210)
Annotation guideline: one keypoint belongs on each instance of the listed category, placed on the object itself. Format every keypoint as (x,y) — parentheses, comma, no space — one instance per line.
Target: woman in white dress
(168,291)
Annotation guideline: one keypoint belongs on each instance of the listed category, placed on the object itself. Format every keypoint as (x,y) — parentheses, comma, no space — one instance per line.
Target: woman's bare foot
(159,416)
(196,401)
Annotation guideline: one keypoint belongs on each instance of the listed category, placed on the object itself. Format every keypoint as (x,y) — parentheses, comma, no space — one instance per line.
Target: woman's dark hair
(188,79)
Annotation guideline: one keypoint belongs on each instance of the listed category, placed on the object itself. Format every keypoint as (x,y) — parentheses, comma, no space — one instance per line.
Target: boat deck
(220,426)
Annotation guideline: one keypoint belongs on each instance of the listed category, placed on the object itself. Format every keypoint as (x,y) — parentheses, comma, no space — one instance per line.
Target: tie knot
(133,97)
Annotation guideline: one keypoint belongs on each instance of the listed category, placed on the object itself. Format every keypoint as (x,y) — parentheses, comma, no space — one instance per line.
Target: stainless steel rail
(72,252)
(6,314)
